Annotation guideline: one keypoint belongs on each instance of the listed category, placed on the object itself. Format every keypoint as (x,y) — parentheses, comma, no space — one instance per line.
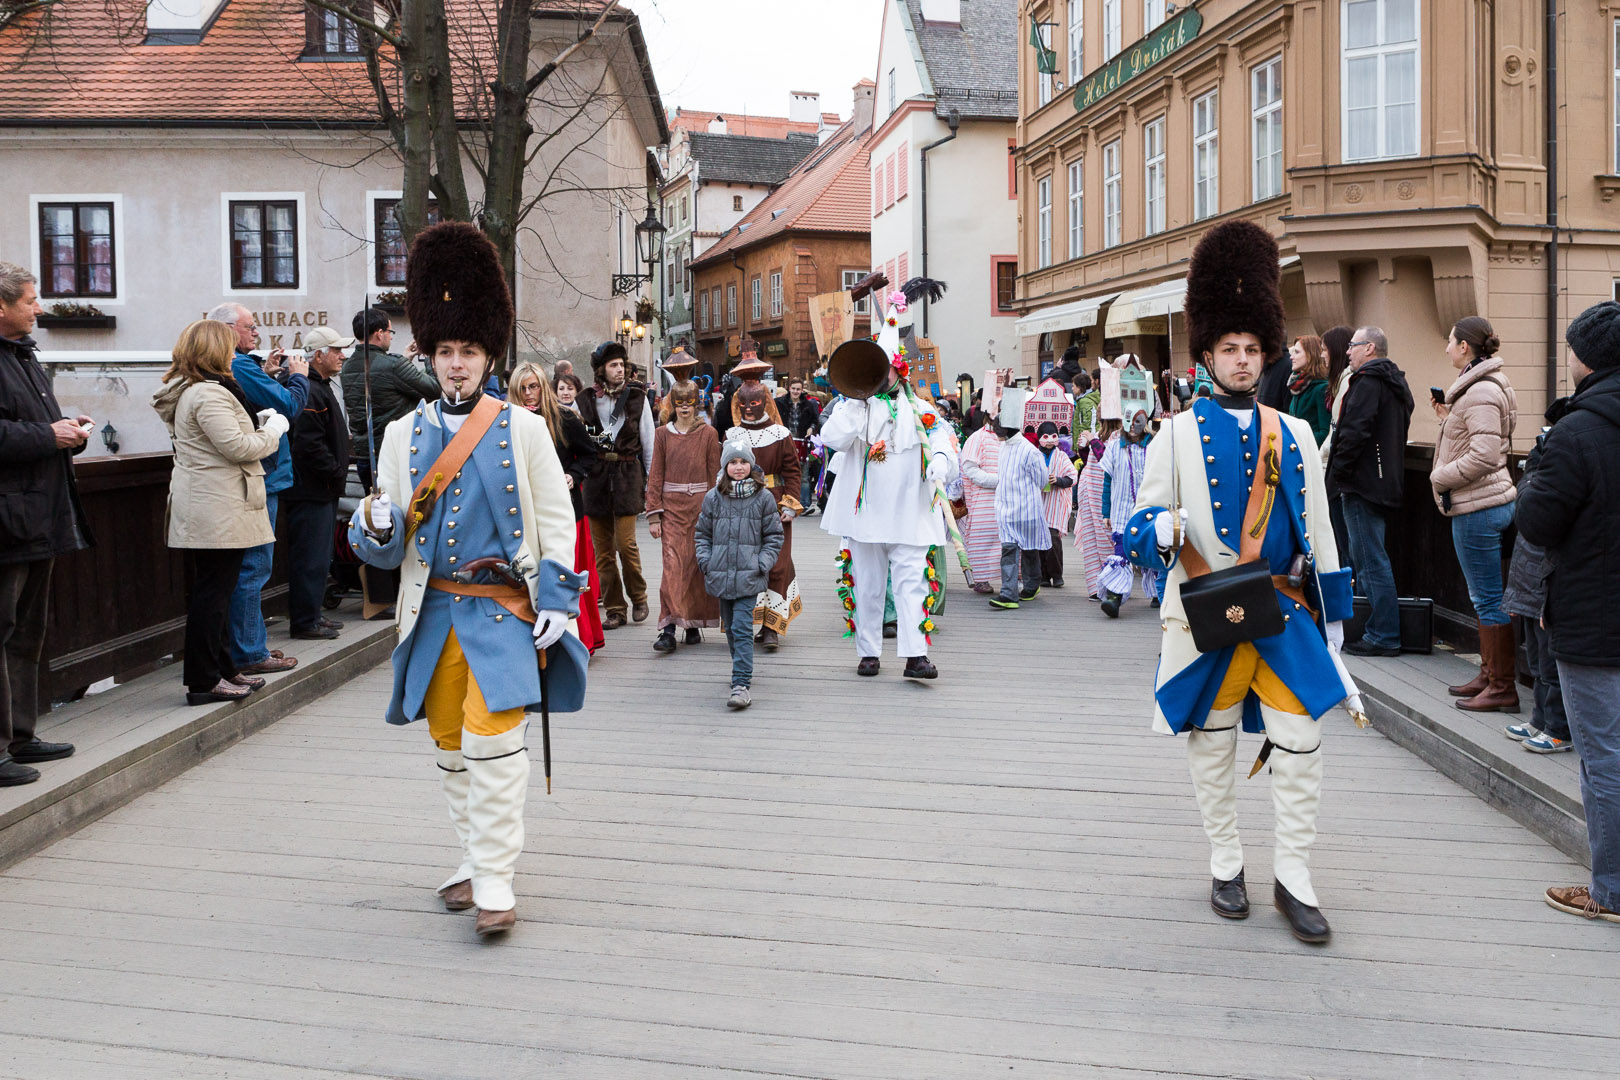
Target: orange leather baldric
(450,462)
(1257,514)
(514,598)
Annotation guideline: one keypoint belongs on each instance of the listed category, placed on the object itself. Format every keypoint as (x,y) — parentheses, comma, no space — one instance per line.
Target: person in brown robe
(761,428)
(685,462)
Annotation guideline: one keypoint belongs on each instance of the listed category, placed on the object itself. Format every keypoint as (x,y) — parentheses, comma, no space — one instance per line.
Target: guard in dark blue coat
(1235,484)
(474,511)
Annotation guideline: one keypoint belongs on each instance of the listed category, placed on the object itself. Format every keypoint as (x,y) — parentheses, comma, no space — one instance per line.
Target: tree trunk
(509,137)
(450,182)
(416,151)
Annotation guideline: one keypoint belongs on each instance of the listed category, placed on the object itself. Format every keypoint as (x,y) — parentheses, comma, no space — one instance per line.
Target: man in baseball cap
(320,460)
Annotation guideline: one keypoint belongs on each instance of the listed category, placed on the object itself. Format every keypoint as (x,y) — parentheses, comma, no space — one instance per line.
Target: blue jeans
(1592,696)
(1477,536)
(737,615)
(1016,562)
(1550,715)
(245,631)
(1369,561)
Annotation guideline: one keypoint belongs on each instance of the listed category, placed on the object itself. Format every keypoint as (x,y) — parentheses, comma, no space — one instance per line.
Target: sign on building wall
(1178,32)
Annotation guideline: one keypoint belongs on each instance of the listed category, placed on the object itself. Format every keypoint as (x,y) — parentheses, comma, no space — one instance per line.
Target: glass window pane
(281,217)
(96,219)
(101,280)
(283,270)
(58,221)
(246,216)
(1361,82)
(1400,21)
(1400,77)
(1363,133)
(1361,24)
(59,250)
(252,271)
(1400,130)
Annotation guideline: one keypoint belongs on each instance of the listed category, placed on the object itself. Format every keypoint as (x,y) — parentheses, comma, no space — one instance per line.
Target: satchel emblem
(1234,614)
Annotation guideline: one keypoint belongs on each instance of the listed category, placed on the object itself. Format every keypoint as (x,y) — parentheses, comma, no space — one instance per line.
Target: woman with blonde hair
(216,497)
(529,388)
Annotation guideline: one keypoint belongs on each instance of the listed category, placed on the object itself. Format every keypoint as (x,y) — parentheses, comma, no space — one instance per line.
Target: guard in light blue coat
(1189,519)
(474,510)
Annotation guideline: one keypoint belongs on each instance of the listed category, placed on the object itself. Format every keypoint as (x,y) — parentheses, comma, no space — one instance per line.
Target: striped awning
(1070,316)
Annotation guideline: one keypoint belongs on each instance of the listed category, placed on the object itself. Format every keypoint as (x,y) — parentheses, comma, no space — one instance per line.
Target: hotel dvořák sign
(1167,39)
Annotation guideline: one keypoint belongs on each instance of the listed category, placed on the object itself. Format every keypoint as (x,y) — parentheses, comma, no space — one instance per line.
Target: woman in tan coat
(1472,487)
(216,496)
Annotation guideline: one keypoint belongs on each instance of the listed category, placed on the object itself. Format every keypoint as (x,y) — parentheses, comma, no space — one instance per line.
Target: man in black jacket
(1570,504)
(802,417)
(1365,473)
(397,384)
(40,518)
(320,459)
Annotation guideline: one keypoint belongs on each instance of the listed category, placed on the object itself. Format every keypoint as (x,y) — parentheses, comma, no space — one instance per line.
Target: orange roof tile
(830,191)
(767,127)
(92,68)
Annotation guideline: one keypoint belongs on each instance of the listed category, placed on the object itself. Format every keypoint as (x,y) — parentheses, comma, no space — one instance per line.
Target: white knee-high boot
(1212,761)
(1296,793)
(498,770)
(453,780)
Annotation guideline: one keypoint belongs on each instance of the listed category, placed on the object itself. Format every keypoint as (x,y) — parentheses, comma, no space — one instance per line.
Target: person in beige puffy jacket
(216,497)
(1472,487)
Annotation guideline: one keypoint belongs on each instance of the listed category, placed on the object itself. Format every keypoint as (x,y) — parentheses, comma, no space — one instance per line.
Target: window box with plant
(392,301)
(76,317)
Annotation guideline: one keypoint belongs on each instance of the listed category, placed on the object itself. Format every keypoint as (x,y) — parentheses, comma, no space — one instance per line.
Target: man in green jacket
(1086,401)
(397,384)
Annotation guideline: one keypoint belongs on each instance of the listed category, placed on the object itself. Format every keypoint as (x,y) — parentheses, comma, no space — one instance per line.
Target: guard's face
(751,400)
(459,367)
(1236,362)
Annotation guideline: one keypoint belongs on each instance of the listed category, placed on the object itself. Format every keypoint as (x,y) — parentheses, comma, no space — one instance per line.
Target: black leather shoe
(1230,899)
(919,667)
(890,629)
(665,641)
(314,633)
(1110,604)
(693,637)
(1361,648)
(36,750)
(1305,921)
(13,774)
(868,666)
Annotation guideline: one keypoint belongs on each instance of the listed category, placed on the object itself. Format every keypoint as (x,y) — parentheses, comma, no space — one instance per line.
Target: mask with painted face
(752,400)
(1139,424)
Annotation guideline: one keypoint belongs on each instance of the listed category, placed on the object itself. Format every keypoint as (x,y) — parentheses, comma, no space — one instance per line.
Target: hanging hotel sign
(1167,39)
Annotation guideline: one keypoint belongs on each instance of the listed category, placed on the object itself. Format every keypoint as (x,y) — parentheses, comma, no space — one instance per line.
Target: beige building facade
(1396,148)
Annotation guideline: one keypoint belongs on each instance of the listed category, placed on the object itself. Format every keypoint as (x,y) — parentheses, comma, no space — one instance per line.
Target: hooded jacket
(1368,457)
(1570,505)
(216,491)
(738,536)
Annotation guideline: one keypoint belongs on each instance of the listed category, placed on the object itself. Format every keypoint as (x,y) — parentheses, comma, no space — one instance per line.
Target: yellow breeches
(1249,672)
(454,701)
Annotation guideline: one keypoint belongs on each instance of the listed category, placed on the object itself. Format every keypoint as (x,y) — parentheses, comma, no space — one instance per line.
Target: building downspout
(1550,69)
(954,119)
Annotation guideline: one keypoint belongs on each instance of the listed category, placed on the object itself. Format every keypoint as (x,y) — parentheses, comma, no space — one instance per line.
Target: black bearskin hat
(455,291)
(1232,288)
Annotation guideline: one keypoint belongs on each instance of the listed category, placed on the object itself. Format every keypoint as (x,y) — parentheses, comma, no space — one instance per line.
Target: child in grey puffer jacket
(739,533)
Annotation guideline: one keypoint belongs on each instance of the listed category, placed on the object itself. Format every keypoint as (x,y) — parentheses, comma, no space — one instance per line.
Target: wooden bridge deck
(999,874)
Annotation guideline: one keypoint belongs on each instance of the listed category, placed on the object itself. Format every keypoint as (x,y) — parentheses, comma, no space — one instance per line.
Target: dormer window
(329,35)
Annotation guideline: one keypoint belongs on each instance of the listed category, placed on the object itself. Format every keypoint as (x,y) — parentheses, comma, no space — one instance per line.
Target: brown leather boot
(1501,694)
(495,922)
(1479,682)
(457,897)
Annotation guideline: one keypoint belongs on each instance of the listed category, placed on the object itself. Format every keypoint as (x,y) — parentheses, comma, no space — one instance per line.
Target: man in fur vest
(619,417)
(1234,483)
(474,510)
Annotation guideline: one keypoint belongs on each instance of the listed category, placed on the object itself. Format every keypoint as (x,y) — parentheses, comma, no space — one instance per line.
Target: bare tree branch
(555,62)
(349,9)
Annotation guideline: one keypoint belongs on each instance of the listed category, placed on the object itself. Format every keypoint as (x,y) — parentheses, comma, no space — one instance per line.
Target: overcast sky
(747,55)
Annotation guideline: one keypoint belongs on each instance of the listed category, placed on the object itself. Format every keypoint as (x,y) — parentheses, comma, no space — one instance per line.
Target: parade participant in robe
(474,510)
(685,460)
(760,428)
(980,455)
(1234,486)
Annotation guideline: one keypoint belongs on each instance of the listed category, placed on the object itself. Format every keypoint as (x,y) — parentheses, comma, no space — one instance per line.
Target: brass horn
(858,368)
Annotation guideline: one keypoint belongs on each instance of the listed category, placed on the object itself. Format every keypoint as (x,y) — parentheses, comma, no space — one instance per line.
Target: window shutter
(877,190)
(904,160)
(901,269)
(888,182)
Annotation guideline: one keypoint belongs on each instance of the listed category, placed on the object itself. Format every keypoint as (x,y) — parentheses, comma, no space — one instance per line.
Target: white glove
(275,423)
(938,468)
(1164,528)
(1335,636)
(264,415)
(380,516)
(549,627)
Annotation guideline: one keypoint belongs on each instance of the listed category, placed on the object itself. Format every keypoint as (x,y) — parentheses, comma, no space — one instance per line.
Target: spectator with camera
(320,452)
(1570,504)
(40,519)
(397,384)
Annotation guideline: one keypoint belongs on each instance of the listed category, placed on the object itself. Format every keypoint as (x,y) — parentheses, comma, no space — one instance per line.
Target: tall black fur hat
(1232,288)
(455,291)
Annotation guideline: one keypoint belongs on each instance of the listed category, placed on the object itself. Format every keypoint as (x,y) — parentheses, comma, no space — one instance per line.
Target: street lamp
(641,331)
(650,238)
(625,323)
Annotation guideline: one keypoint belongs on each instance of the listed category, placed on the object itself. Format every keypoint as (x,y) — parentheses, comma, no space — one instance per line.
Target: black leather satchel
(1229,607)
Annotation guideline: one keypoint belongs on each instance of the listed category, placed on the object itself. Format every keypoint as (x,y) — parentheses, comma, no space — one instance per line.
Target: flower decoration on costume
(846,589)
(929,420)
(879,451)
(930,602)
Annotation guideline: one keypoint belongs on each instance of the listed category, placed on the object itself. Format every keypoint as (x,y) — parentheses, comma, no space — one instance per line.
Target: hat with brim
(324,337)
(681,364)
(752,368)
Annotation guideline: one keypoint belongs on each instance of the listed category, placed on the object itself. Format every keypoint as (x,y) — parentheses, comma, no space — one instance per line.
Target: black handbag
(1228,607)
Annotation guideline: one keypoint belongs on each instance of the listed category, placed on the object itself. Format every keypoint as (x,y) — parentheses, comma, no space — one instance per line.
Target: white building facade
(944,201)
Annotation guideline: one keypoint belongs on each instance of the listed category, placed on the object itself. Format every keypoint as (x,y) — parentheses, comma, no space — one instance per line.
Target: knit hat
(1595,336)
(736,451)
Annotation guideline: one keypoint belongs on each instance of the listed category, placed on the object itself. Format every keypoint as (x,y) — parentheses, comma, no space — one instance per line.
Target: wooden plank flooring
(1001,873)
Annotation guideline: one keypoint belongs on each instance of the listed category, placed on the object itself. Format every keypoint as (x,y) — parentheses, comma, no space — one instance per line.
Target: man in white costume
(886,501)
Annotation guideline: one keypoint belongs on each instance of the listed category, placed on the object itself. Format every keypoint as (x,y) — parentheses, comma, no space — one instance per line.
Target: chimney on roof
(804,107)
(179,22)
(942,11)
(865,100)
(717,126)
